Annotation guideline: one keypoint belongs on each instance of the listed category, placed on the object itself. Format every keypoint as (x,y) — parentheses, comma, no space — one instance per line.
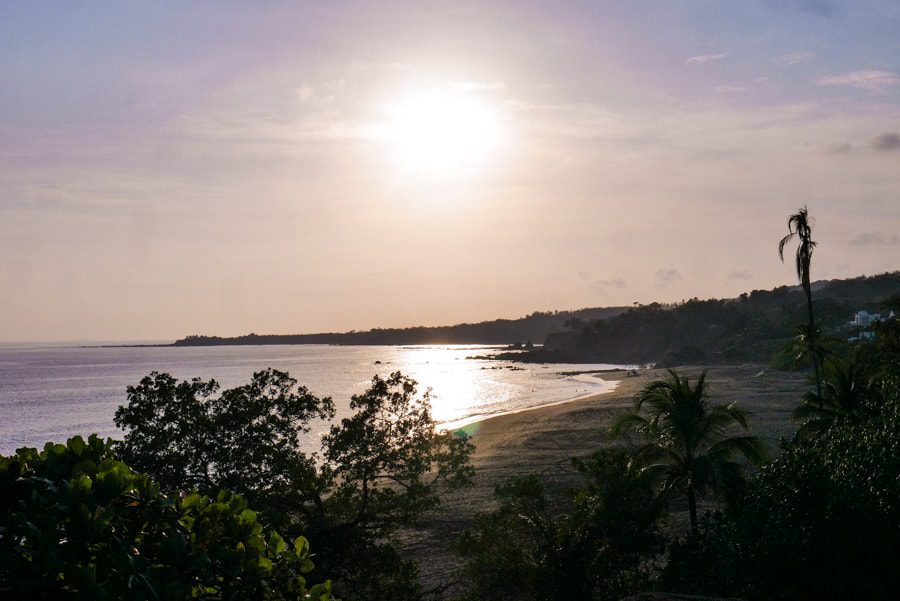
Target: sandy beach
(542,441)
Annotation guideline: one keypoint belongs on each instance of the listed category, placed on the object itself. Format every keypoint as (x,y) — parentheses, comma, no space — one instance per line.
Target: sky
(174,168)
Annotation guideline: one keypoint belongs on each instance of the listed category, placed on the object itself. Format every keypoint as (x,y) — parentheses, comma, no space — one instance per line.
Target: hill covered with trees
(752,327)
(534,327)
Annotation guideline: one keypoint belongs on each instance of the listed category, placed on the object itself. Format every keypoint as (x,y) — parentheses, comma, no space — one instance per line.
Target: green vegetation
(753,328)
(821,522)
(531,550)
(687,446)
(76,523)
(376,471)
(534,327)
(800,226)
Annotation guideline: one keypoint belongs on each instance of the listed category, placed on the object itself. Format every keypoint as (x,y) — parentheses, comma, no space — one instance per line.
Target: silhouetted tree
(687,447)
(379,468)
(799,225)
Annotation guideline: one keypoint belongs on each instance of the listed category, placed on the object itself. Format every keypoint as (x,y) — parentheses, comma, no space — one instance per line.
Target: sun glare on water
(442,131)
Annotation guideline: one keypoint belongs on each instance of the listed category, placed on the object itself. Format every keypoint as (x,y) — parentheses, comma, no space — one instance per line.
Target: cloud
(730,89)
(795,58)
(876,239)
(742,274)
(869,79)
(706,58)
(664,277)
(821,8)
(479,86)
(600,283)
(611,283)
(839,148)
(889,140)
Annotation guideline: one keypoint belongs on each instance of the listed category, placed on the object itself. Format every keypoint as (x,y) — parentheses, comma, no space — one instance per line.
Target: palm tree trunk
(692,508)
(812,337)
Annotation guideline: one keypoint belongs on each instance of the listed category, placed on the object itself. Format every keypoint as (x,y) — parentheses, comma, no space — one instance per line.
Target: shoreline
(543,440)
(460,425)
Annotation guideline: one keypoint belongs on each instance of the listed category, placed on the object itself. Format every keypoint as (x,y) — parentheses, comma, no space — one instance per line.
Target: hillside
(534,327)
(751,327)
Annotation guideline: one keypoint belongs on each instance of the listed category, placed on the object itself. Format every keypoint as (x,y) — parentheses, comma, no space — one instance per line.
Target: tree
(821,522)
(374,472)
(797,352)
(799,225)
(686,443)
(76,523)
(849,395)
(528,549)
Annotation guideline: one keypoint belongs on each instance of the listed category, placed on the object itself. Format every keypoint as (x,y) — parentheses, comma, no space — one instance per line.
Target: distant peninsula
(531,328)
(752,327)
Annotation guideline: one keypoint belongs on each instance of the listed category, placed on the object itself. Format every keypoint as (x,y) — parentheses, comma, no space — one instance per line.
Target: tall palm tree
(799,225)
(687,447)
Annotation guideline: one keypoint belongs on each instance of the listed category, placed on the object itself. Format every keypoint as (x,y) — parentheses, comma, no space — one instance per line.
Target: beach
(543,441)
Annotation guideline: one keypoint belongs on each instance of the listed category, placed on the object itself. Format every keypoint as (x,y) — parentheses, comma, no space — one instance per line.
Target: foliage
(849,394)
(687,446)
(821,522)
(76,523)
(376,470)
(750,328)
(800,226)
(796,354)
(596,551)
(534,326)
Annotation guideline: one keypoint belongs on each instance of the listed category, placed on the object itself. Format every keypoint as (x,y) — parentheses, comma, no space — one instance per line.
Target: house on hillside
(863,321)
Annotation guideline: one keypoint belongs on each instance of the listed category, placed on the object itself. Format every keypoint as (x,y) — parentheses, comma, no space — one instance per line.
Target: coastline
(464,424)
(543,440)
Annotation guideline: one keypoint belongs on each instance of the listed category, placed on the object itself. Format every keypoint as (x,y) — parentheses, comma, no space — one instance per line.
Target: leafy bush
(77,523)
(377,470)
(821,522)
(597,551)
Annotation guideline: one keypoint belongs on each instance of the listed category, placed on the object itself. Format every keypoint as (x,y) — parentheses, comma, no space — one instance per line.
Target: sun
(442,131)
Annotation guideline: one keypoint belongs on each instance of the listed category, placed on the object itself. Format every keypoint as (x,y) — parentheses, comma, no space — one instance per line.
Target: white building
(864,319)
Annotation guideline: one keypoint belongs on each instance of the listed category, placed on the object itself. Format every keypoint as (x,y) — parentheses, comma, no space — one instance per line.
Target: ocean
(50,393)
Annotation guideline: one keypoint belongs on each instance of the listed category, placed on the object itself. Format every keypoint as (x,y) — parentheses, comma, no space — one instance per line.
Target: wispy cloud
(479,86)
(889,140)
(612,283)
(706,58)
(795,58)
(666,276)
(741,274)
(839,148)
(876,239)
(870,79)
(821,8)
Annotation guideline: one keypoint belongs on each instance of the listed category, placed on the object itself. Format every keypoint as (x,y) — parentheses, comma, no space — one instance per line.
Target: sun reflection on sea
(457,385)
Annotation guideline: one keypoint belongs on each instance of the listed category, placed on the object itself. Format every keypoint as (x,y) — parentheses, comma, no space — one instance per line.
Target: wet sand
(542,441)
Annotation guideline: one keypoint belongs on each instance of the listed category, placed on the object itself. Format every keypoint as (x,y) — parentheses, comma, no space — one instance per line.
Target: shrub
(821,522)
(377,470)
(524,550)
(77,523)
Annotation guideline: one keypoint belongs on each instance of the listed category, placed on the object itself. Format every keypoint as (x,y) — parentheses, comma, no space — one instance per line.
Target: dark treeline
(534,327)
(753,327)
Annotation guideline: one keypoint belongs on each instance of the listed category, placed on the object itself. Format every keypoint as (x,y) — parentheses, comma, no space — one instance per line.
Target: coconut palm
(799,225)
(687,447)
(798,349)
(848,395)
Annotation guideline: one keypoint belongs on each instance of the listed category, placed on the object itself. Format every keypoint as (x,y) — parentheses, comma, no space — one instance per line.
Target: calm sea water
(51,393)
